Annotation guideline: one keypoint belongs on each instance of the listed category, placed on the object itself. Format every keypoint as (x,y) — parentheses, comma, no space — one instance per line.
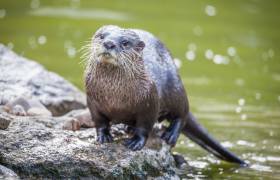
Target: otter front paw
(104,136)
(135,143)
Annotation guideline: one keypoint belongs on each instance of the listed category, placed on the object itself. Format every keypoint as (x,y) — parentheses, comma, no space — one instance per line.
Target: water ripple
(80,13)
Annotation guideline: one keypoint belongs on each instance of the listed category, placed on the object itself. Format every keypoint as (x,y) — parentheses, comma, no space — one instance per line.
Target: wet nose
(109,45)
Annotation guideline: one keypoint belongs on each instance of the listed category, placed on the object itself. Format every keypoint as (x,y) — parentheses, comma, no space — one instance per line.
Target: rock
(82,116)
(71,121)
(4,121)
(63,122)
(180,161)
(21,77)
(6,173)
(26,107)
(71,124)
(33,147)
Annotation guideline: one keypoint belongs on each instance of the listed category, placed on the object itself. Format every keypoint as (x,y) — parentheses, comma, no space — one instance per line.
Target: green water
(229,52)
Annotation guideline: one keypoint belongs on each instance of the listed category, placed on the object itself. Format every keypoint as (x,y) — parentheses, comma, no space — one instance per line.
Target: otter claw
(104,138)
(135,143)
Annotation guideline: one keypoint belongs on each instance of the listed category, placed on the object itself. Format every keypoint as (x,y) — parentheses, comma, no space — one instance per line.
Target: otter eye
(125,43)
(101,36)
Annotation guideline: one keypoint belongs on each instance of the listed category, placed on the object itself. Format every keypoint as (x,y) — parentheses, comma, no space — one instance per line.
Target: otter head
(112,45)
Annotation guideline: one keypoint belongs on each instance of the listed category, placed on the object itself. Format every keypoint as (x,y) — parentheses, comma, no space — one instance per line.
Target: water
(228,54)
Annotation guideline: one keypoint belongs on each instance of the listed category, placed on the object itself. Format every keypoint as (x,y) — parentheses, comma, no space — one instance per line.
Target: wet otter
(131,78)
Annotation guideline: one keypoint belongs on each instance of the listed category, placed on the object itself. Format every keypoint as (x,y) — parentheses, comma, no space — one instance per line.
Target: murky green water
(229,54)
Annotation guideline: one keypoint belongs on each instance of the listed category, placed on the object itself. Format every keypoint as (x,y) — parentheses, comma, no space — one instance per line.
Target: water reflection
(74,13)
(231,51)
(70,49)
(198,31)
(220,59)
(258,148)
(190,55)
(259,167)
(34,4)
(209,54)
(2,13)
(210,10)
(42,40)
(10,45)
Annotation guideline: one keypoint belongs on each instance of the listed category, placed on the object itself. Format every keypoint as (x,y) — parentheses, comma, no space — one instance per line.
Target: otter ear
(140,46)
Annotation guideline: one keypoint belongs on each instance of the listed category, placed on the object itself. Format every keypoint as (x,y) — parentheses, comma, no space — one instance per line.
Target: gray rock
(82,116)
(22,77)
(22,106)
(6,173)
(34,148)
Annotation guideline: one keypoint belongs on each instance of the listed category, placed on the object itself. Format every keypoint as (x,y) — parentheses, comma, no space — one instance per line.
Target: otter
(131,78)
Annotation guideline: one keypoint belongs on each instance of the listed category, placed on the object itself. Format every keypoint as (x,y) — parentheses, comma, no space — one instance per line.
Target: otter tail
(199,135)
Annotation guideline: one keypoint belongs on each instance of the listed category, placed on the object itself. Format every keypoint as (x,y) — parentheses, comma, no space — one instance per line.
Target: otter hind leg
(140,132)
(138,140)
(172,133)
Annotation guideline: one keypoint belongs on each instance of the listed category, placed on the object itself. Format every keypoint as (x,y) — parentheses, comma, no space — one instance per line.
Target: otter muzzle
(106,58)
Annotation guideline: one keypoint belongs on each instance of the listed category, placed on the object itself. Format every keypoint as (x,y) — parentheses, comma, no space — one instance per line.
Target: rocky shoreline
(61,144)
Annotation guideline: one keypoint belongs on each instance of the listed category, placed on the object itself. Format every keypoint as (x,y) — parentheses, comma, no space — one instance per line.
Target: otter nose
(109,45)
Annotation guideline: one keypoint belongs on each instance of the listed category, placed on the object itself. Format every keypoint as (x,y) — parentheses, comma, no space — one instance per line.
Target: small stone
(4,121)
(180,161)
